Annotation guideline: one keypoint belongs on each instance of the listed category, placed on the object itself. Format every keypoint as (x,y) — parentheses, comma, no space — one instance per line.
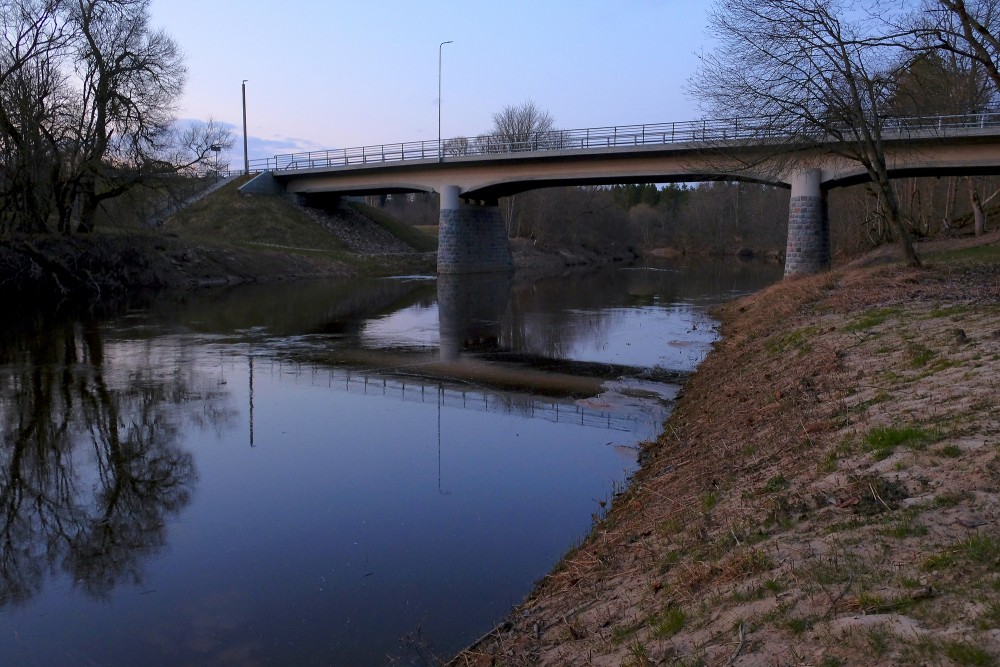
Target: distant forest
(719,217)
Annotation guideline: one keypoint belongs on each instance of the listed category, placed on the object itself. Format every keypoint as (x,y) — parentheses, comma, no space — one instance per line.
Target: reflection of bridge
(473,176)
(454,394)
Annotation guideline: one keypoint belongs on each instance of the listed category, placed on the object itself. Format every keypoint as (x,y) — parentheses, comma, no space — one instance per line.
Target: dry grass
(813,496)
(254,221)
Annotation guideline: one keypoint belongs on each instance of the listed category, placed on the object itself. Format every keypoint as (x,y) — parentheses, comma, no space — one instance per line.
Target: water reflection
(419,453)
(465,396)
(90,467)
(471,312)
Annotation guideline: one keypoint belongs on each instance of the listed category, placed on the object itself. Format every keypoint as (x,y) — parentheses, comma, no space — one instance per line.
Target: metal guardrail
(711,132)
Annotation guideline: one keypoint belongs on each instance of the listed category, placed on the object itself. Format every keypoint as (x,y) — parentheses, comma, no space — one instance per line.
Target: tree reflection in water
(90,469)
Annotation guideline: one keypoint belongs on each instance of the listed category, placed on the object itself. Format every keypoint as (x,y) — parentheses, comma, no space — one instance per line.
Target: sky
(345,73)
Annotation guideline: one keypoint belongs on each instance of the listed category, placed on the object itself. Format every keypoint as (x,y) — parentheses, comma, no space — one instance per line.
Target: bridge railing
(712,132)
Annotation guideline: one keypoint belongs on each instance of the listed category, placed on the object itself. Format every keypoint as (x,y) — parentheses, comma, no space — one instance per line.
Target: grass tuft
(965,653)
(669,623)
(873,318)
(883,440)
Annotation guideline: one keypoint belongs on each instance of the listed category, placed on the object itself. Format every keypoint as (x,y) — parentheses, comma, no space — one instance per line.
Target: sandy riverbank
(826,493)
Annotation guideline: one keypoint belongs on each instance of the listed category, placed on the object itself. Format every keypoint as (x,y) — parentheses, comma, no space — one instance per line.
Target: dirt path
(827,492)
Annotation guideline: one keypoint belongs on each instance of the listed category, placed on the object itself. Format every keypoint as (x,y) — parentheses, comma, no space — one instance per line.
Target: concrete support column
(808,249)
(471,238)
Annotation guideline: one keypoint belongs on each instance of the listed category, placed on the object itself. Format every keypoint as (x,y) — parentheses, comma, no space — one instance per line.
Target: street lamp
(216,148)
(246,156)
(439,96)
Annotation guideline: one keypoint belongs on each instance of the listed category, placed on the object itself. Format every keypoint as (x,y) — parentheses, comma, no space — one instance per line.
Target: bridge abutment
(808,247)
(471,238)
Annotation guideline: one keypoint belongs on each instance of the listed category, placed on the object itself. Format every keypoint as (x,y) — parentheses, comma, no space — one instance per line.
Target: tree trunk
(949,203)
(88,211)
(890,208)
(977,209)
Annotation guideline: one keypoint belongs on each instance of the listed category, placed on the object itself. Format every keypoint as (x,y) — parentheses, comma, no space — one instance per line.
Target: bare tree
(457,146)
(30,29)
(968,29)
(130,76)
(967,32)
(191,147)
(87,90)
(521,127)
(29,80)
(817,72)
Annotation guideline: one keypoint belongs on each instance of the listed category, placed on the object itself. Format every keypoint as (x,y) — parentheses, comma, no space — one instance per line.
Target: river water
(356,473)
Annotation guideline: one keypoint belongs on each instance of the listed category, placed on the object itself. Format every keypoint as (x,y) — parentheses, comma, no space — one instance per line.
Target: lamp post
(440,46)
(216,148)
(246,155)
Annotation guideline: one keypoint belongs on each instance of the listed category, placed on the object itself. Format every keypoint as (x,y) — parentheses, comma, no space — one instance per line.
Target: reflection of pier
(470,312)
(467,397)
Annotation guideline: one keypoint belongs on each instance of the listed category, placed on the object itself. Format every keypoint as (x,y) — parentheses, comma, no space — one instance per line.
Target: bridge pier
(471,238)
(808,247)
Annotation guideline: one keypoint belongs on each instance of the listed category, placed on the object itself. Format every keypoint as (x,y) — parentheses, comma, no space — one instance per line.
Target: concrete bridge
(471,175)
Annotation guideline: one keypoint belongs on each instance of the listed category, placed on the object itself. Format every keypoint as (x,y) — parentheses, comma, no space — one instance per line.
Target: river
(362,472)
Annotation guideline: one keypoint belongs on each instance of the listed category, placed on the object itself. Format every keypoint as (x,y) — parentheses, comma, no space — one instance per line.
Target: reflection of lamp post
(440,393)
(439,96)
(251,398)
(246,156)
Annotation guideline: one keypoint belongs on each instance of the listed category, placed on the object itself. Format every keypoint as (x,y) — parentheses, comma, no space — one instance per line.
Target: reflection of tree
(541,317)
(89,466)
(544,317)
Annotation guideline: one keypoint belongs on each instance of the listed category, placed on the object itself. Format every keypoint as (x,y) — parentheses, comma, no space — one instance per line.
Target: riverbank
(225,238)
(827,491)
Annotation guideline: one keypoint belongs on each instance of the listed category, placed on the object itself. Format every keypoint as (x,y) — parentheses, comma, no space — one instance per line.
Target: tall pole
(246,155)
(439,96)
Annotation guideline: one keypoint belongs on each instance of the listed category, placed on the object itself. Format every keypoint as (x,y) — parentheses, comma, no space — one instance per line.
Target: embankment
(827,491)
(224,238)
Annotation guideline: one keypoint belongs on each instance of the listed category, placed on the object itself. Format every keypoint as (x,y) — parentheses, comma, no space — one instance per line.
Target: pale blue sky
(340,73)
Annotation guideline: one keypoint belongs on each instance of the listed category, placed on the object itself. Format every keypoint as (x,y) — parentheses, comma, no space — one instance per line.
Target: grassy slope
(227,216)
(827,491)
(224,238)
(276,231)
